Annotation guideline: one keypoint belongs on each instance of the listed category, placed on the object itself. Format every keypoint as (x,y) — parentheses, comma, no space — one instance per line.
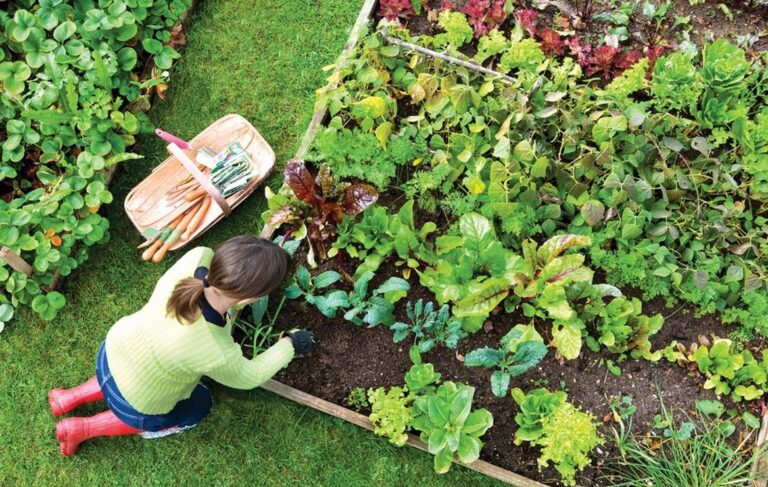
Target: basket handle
(204,182)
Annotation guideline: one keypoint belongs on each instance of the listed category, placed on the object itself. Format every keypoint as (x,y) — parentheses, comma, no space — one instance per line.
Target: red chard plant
(321,205)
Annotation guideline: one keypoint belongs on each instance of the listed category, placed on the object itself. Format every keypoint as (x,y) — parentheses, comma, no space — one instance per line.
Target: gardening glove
(303,341)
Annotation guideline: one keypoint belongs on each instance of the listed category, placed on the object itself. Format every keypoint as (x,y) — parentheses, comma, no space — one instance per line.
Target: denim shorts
(186,413)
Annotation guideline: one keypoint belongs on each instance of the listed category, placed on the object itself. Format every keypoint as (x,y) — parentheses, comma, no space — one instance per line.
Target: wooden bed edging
(365,15)
(358,419)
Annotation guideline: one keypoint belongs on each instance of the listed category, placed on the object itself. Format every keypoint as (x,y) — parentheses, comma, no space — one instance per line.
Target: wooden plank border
(358,419)
(365,16)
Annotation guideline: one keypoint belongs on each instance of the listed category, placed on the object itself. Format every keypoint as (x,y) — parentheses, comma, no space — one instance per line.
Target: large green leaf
(559,244)
(567,340)
(482,298)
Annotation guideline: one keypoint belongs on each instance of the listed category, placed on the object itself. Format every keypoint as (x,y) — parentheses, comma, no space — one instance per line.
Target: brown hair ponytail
(184,302)
(242,268)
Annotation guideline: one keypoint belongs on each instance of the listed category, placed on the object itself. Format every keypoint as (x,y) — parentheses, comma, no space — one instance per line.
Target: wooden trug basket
(148,206)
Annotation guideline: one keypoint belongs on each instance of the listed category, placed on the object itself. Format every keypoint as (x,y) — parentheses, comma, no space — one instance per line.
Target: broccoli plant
(448,424)
(328,304)
(521,349)
(429,327)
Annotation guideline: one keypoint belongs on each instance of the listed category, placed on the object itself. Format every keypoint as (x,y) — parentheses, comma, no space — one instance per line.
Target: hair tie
(205,281)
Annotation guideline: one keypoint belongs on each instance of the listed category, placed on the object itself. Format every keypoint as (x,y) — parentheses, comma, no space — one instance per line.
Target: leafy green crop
(472,269)
(739,375)
(390,413)
(565,433)
(429,327)
(306,286)
(521,349)
(622,326)
(442,414)
(568,437)
(378,308)
(449,426)
(536,407)
(457,30)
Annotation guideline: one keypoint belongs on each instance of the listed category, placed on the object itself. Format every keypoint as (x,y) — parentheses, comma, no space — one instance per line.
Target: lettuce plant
(623,327)
(536,407)
(738,374)
(390,413)
(449,426)
(521,349)
(568,437)
(442,414)
(565,433)
(457,30)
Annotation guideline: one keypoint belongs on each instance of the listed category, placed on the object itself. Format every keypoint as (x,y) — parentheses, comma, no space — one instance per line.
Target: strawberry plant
(522,348)
(72,99)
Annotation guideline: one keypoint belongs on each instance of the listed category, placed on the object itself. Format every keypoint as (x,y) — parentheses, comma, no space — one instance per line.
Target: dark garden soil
(347,356)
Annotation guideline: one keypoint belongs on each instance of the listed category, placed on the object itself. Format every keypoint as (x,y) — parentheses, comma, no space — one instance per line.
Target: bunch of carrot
(182,227)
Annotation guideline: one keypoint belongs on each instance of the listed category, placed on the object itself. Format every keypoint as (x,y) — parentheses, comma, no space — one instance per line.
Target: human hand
(303,341)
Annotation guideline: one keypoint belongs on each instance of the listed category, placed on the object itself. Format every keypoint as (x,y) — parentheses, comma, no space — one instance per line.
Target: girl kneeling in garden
(149,367)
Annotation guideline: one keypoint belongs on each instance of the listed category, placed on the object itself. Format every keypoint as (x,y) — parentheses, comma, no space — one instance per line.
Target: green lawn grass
(261,59)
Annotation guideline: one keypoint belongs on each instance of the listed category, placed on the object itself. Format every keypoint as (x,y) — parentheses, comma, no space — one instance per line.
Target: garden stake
(445,57)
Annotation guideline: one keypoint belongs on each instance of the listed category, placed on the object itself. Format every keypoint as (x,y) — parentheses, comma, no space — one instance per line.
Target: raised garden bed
(350,356)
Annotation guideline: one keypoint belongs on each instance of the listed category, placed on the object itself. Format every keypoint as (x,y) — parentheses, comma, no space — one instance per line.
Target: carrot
(158,256)
(198,218)
(196,194)
(159,241)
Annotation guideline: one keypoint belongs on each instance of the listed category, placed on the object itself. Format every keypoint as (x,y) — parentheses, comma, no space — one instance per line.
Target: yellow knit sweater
(157,361)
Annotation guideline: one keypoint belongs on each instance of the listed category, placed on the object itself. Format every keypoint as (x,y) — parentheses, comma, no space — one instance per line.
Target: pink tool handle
(172,139)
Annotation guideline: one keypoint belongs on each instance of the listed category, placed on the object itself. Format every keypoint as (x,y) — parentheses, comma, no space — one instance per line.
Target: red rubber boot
(65,400)
(72,431)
